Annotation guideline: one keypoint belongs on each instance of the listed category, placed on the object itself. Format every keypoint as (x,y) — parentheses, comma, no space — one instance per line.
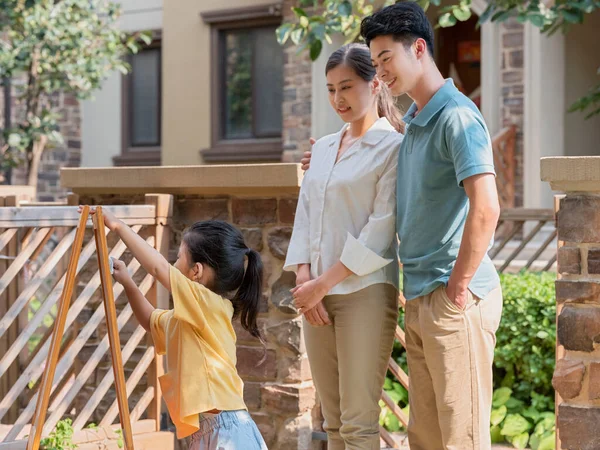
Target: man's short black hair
(405,21)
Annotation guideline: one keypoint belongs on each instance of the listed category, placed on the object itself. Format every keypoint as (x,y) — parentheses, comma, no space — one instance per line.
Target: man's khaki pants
(349,359)
(450,353)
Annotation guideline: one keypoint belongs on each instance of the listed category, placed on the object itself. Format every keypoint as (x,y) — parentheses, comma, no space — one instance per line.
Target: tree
(67,46)
(317,20)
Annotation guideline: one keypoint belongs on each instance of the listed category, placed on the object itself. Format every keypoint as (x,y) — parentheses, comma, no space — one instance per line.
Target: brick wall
(279,392)
(513,86)
(67,154)
(577,375)
(297,86)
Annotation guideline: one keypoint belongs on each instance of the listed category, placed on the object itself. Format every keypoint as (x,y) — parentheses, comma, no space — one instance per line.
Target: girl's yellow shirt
(198,338)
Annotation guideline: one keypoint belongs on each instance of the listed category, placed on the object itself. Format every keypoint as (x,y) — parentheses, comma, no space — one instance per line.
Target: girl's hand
(307,295)
(318,316)
(109,218)
(303,274)
(120,273)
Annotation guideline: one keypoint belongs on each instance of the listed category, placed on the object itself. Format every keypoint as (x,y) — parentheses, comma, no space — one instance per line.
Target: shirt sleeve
(192,301)
(157,330)
(299,247)
(364,255)
(469,144)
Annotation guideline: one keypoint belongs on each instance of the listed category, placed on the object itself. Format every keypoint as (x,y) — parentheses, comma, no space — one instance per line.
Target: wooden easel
(37,424)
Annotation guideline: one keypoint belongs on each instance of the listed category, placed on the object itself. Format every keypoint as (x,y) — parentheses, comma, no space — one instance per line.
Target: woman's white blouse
(347,210)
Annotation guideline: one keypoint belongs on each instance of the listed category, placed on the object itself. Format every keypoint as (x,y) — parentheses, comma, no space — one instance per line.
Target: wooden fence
(35,242)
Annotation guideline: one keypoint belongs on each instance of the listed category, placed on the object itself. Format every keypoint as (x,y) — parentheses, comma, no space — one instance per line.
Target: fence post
(6,300)
(158,295)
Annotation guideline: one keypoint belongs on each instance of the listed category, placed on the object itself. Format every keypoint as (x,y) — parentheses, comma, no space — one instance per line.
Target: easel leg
(113,329)
(37,424)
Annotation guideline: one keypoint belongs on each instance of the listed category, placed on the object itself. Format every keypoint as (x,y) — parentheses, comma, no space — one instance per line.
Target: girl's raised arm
(151,260)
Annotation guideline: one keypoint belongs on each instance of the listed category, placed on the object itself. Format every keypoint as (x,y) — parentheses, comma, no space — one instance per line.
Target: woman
(342,250)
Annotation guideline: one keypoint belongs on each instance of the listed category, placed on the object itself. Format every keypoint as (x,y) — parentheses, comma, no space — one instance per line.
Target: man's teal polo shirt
(444,144)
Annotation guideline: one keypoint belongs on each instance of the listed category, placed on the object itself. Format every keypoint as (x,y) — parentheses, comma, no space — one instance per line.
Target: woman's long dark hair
(221,246)
(358,58)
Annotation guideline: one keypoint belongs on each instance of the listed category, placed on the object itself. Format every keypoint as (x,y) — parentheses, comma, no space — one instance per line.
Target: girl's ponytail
(247,299)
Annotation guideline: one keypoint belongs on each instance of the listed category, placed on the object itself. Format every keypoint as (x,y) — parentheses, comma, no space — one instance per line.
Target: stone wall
(577,374)
(513,86)
(279,391)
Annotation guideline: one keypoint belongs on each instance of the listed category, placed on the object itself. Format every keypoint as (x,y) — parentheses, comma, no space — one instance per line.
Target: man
(447,213)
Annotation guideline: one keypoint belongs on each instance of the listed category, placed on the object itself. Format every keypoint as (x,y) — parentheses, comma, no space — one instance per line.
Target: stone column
(512,83)
(577,374)
(297,95)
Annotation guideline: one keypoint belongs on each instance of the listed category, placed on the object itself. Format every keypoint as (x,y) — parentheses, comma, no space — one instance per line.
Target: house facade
(215,88)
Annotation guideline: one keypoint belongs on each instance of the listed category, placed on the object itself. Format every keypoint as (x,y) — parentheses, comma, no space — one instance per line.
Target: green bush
(526,339)
(523,411)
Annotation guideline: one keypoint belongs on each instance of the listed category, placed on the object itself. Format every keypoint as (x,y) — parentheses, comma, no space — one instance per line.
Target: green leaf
(572,16)
(498,415)
(304,21)
(545,425)
(462,13)
(514,405)
(496,435)
(283,33)
(531,413)
(146,37)
(299,12)
(534,441)
(501,16)
(315,49)
(548,442)
(501,396)
(391,422)
(486,14)
(514,425)
(345,8)
(447,20)
(520,441)
(319,31)
(387,385)
(537,20)
(297,35)
(542,334)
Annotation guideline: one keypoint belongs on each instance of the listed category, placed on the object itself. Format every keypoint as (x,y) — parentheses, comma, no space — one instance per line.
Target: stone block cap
(572,173)
(238,179)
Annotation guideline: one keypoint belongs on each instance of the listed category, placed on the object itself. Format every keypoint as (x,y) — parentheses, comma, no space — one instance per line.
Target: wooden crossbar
(43,398)
(67,216)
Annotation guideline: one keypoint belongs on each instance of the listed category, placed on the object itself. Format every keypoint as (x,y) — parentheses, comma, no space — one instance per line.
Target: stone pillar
(297,95)
(577,375)
(512,83)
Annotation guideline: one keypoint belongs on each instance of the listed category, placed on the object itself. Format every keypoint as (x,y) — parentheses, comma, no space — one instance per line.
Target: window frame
(139,155)
(236,150)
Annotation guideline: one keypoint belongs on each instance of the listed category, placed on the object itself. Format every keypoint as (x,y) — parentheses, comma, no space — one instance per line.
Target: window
(247,85)
(141,109)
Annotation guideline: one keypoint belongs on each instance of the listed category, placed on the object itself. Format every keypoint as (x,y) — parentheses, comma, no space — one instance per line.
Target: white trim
(544,109)
(531,113)
(490,69)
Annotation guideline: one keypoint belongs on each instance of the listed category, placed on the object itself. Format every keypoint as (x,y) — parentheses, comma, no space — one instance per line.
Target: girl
(343,254)
(201,388)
